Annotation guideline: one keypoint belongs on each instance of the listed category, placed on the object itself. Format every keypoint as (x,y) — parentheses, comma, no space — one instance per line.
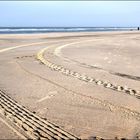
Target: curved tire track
(68,72)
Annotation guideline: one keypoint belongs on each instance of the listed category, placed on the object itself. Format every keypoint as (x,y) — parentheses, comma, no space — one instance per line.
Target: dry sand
(82,108)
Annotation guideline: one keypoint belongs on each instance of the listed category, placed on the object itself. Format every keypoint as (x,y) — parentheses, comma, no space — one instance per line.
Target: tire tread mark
(32,124)
(68,72)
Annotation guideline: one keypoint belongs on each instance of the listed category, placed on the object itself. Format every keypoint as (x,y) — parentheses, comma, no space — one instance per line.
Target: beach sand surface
(83,108)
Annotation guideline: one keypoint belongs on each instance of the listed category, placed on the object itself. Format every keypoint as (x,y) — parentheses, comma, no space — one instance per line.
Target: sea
(24,30)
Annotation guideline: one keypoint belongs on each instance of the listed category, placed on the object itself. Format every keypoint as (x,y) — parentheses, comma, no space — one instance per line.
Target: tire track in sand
(89,79)
(33,125)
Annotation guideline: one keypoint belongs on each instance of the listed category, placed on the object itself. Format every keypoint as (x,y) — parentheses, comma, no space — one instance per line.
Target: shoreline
(63,34)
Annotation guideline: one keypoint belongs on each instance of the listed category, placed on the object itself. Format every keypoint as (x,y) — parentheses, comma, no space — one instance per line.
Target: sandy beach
(73,85)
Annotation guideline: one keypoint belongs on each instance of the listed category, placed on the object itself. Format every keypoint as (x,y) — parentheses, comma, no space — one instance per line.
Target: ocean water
(22,30)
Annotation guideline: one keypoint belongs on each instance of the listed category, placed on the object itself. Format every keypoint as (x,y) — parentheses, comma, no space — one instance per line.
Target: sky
(70,13)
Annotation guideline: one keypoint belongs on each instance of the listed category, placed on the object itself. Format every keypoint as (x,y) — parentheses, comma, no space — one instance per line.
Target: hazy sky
(70,13)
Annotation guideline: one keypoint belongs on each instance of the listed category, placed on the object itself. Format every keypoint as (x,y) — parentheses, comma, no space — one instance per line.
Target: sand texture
(70,85)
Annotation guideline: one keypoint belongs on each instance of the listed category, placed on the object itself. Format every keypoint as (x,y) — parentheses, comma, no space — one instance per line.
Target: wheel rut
(34,126)
(85,78)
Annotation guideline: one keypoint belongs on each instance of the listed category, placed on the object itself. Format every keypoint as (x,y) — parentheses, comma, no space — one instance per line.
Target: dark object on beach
(138,28)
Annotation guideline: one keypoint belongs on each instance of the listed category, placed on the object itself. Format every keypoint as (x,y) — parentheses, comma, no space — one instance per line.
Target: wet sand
(86,83)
